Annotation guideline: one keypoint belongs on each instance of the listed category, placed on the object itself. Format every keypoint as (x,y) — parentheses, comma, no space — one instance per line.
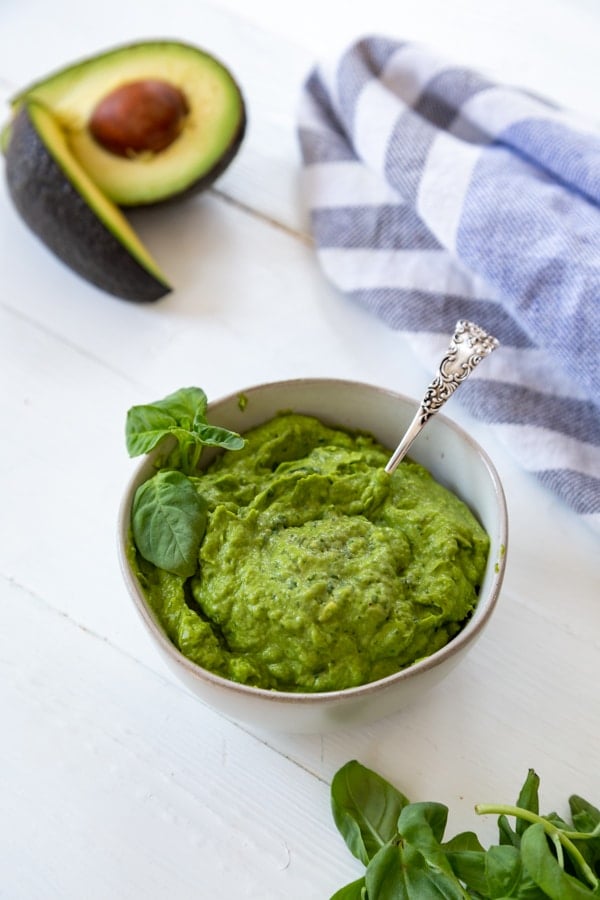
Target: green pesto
(318,571)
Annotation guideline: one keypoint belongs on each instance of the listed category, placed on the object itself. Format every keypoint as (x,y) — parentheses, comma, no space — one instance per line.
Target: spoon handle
(469,345)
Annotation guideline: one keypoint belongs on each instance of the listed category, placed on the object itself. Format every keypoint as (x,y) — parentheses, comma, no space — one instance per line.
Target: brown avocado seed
(139,117)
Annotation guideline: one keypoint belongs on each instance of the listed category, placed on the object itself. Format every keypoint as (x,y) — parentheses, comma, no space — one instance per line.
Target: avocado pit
(139,117)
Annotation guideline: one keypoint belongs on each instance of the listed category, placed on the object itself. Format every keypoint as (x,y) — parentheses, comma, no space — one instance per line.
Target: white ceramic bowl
(454,459)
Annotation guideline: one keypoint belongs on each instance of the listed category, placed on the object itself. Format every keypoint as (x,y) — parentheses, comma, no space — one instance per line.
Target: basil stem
(556,835)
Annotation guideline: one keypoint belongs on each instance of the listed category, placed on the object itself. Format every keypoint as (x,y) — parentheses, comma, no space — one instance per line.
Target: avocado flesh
(210,138)
(62,205)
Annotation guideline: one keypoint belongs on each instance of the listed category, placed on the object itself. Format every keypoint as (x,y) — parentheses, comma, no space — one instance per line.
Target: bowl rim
(473,627)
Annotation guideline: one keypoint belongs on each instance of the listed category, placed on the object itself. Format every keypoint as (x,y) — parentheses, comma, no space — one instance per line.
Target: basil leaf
(422,825)
(145,427)
(586,819)
(469,868)
(185,405)
(542,866)
(585,816)
(356,890)
(558,821)
(466,841)
(423,819)
(503,871)
(399,871)
(365,809)
(528,799)
(168,522)
(507,834)
(528,890)
(466,856)
(215,436)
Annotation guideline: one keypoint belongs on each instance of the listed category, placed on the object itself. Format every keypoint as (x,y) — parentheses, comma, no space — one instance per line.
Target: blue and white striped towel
(436,195)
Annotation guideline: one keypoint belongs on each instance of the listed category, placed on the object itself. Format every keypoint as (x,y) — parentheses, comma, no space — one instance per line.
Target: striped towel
(436,195)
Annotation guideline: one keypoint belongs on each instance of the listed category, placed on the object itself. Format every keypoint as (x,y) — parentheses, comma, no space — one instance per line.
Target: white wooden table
(114,781)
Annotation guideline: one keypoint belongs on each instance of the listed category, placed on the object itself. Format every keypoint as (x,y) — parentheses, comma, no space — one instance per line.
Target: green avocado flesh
(63,206)
(318,571)
(209,139)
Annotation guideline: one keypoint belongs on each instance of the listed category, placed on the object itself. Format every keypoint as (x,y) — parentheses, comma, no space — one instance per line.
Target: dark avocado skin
(55,211)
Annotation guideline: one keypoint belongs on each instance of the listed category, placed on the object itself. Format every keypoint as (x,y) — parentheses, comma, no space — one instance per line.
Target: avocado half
(63,206)
(135,126)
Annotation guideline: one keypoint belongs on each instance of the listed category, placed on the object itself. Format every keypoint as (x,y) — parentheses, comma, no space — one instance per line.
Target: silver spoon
(469,345)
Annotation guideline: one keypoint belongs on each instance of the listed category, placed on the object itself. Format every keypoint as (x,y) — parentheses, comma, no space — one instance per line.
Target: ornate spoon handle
(468,346)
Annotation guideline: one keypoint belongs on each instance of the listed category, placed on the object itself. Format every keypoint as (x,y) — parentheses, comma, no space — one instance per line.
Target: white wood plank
(149,789)
(248,297)
(117,784)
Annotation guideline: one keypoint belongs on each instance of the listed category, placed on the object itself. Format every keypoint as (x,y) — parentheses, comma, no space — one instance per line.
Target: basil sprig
(406,857)
(182,416)
(168,514)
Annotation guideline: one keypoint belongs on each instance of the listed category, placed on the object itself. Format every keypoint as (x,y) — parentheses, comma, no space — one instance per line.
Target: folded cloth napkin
(436,195)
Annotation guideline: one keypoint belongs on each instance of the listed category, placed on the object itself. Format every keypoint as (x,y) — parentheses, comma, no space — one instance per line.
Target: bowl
(453,458)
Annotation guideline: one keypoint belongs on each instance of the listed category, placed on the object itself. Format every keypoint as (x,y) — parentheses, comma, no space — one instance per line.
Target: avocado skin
(54,211)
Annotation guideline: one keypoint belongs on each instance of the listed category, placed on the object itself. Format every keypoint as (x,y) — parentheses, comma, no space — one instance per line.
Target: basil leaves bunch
(406,857)
(168,514)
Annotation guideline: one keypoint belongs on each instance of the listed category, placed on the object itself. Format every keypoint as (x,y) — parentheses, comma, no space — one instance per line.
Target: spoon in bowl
(469,345)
